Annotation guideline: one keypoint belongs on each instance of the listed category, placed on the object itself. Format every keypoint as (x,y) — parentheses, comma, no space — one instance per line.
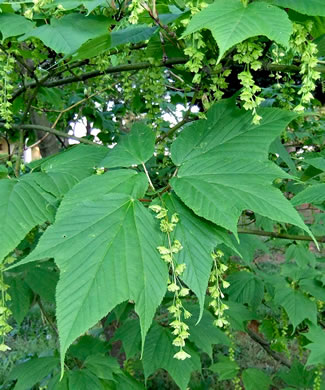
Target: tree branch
(52,131)
(286,236)
(97,73)
(266,346)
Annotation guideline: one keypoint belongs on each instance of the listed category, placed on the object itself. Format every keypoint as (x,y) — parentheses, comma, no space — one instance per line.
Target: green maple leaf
(231,22)
(224,167)
(104,248)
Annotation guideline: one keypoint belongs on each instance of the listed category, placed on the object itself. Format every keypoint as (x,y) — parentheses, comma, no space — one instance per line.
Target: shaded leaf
(225,368)
(256,379)
(21,298)
(31,372)
(83,380)
(313,194)
(23,205)
(317,337)
(159,352)
(134,148)
(296,304)
(130,335)
(245,287)
(102,366)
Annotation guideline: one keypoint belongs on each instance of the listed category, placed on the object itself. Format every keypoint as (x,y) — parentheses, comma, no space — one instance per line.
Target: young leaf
(317,337)
(296,304)
(67,34)
(225,368)
(33,371)
(231,22)
(224,167)
(159,352)
(83,380)
(256,379)
(104,248)
(204,334)
(134,148)
(198,238)
(245,287)
(297,376)
(103,367)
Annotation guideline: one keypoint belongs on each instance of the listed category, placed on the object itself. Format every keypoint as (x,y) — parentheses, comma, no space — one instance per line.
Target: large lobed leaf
(231,22)
(29,201)
(224,167)
(106,252)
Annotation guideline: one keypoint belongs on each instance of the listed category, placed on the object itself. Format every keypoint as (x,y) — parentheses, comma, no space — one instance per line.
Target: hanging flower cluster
(301,45)
(5,312)
(175,286)
(215,283)
(7,63)
(248,53)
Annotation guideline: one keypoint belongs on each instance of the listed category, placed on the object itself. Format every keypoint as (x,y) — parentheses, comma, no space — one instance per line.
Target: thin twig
(148,177)
(52,131)
(47,317)
(294,237)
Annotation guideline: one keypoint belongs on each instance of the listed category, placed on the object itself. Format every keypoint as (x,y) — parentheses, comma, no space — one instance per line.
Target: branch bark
(285,236)
(97,73)
(266,346)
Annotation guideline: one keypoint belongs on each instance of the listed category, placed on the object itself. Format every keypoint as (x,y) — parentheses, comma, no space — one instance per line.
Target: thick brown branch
(97,73)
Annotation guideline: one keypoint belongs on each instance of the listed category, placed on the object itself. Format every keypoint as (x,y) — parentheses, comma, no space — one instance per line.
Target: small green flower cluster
(5,312)
(216,83)
(248,53)
(231,353)
(38,6)
(302,46)
(7,63)
(177,310)
(153,91)
(318,378)
(195,42)
(136,9)
(215,282)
